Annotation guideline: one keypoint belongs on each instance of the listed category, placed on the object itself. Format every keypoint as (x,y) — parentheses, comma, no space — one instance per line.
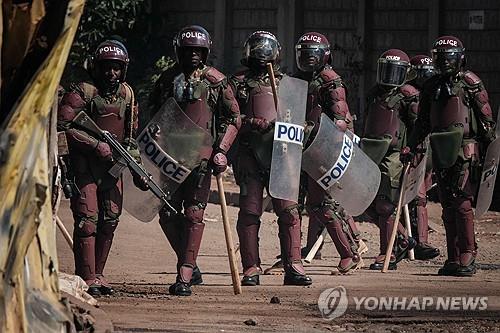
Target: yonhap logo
(332,302)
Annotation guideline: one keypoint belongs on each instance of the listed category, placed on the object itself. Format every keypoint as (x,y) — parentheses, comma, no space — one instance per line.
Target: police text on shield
(287,132)
(339,168)
(167,165)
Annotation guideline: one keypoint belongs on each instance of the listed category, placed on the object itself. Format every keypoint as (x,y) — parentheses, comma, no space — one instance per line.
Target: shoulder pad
(409,90)
(471,79)
(214,76)
(127,92)
(238,78)
(328,75)
(85,89)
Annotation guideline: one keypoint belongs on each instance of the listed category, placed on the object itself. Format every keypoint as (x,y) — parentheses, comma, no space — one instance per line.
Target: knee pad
(384,207)
(108,227)
(464,206)
(289,216)
(194,213)
(86,227)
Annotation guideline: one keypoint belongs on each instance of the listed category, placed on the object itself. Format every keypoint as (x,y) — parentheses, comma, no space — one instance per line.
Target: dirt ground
(142,266)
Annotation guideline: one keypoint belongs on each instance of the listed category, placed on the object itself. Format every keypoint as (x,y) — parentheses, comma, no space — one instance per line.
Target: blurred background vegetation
(127,21)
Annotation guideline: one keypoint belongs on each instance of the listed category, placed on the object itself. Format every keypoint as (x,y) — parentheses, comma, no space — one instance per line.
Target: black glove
(406,155)
(140,182)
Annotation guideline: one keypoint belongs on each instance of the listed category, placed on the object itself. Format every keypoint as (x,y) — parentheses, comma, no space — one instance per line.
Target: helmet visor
(391,74)
(311,58)
(262,48)
(446,62)
(425,72)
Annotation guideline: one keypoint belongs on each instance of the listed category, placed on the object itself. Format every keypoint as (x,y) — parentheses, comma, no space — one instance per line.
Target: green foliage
(161,65)
(144,86)
(101,19)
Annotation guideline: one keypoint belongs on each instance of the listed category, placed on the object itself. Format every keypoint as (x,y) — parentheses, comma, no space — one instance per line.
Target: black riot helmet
(448,55)
(421,69)
(192,36)
(392,68)
(261,45)
(312,52)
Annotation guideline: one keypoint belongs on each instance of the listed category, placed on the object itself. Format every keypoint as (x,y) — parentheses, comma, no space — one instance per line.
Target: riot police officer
(97,203)
(391,112)
(206,98)
(421,70)
(326,94)
(455,111)
(253,91)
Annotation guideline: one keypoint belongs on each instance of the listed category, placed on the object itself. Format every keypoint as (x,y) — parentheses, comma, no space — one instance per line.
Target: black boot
(250,280)
(94,290)
(424,251)
(377,266)
(403,245)
(449,268)
(467,266)
(466,271)
(197,278)
(295,275)
(104,286)
(182,286)
(180,289)
(379,263)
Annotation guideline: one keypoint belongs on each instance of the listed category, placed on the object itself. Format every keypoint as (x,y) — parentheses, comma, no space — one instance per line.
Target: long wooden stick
(406,211)
(65,232)
(316,246)
(229,238)
(396,221)
(270,71)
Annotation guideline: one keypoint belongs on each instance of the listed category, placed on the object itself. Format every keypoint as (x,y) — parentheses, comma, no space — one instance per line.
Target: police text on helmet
(193,34)
(393,57)
(114,49)
(447,42)
(313,38)
(426,61)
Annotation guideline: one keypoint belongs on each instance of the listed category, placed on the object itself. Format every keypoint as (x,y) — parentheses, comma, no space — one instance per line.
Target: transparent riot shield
(415,178)
(341,168)
(171,145)
(284,178)
(489,175)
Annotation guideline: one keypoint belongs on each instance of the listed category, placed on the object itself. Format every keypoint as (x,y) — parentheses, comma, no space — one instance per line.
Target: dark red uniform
(421,69)
(455,111)
(206,98)
(97,208)
(254,94)
(327,95)
(392,108)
